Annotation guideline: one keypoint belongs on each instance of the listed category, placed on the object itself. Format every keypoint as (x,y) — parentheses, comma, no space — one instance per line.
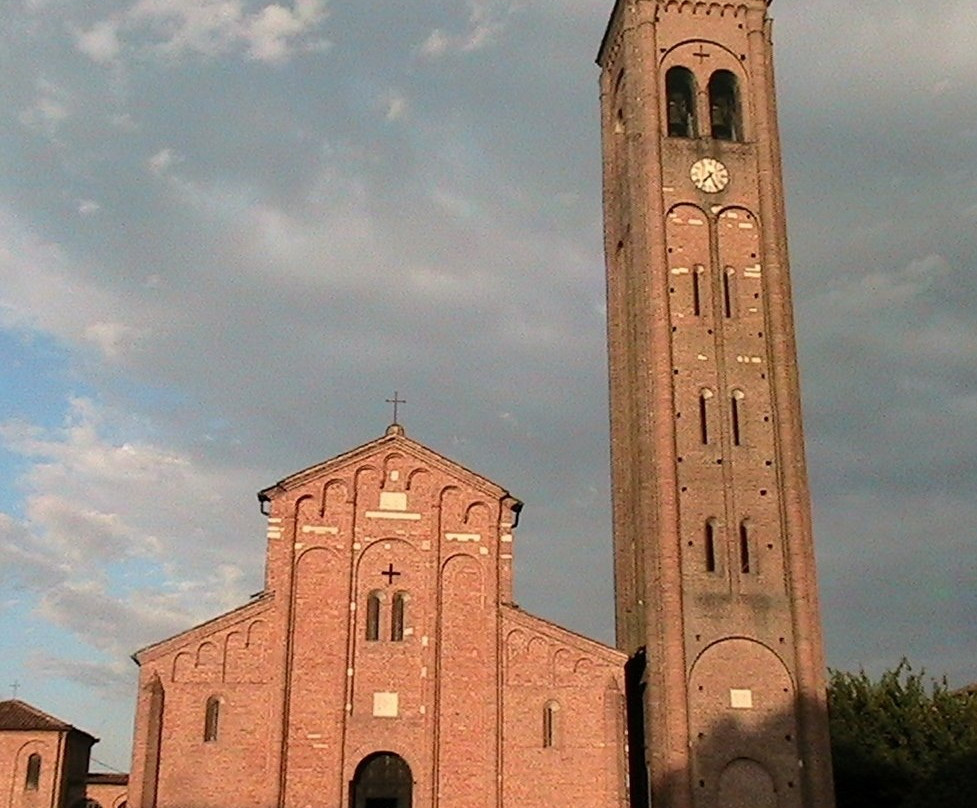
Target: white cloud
(396,105)
(267,32)
(272,33)
(436,44)
(162,161)
(113,339)
(86,207)
(49,110)
(78,532)
(487,20)
(100,43)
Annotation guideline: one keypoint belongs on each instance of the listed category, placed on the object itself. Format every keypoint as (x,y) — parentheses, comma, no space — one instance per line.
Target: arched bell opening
(724,106)
(680,98)
(382,780)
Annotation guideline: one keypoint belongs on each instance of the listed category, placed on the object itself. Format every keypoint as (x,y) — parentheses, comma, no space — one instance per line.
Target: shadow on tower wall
(742,758)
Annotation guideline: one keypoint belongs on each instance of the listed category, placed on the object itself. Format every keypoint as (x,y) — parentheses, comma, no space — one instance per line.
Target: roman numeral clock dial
(709,175)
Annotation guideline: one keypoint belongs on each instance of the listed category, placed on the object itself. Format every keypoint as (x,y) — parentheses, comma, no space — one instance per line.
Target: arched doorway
(382,780)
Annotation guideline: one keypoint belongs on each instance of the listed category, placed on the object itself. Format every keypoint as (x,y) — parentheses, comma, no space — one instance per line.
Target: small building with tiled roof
(44,762)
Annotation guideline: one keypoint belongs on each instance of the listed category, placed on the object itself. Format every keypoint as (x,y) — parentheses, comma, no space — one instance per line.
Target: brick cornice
(221,622)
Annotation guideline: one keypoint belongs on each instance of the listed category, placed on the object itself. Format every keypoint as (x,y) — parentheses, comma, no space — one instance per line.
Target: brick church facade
(384,665)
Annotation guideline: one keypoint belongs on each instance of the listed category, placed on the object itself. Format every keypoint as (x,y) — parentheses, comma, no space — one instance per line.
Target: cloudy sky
(230,229)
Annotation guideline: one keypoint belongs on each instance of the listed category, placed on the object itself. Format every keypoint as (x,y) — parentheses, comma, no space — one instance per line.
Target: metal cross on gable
(395,401)
(701,54)
(14,687)
(390,572)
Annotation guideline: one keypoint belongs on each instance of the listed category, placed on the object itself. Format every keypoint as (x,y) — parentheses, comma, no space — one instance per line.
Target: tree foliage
(902,741)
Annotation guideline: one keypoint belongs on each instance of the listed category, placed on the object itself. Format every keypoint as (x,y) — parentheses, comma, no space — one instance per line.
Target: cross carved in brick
(391,573)
(702,54)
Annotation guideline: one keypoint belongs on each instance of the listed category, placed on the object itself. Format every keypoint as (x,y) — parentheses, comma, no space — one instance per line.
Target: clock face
(709,175)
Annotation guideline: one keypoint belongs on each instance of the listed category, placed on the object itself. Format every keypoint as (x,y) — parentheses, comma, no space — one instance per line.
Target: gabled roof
(393,439)
(19,715)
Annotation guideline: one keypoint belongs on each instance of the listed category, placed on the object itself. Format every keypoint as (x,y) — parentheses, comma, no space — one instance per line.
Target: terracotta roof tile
(19,715)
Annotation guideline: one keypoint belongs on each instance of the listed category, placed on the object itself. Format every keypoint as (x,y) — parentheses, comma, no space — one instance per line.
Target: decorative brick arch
(742,705)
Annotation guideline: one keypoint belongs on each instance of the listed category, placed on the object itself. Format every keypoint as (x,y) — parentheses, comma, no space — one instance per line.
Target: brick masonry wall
(107,795)
(15,748)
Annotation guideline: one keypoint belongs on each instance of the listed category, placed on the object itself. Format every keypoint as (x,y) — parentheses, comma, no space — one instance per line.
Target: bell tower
(715,578)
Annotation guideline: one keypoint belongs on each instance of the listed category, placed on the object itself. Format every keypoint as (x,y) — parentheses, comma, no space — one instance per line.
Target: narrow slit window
(550,724)
(680,95)
(697,274)
(397,617)
(736,411)
(704,398)
(710,545)
(212,719)
(33,780)
(373,617)
(728,281)
(724,106)
(745,547)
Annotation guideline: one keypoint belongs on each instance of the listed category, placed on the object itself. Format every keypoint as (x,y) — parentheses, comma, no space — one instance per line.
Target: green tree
(902,741)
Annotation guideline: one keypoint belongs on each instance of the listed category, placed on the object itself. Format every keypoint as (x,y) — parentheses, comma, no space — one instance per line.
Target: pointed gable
(394,440)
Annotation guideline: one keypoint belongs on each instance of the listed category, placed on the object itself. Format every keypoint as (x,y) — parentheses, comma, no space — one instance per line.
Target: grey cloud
(112,681)
(112,624)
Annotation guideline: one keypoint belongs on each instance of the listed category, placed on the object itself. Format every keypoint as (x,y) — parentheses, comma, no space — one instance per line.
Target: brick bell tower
(715,575)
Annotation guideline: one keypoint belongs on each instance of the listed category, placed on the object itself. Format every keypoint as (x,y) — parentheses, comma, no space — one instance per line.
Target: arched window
(397,616)
(745,546)
(698,275)
(33,779)
(212,719)
(724,106)
(373,616)
(680,95)
(551,725)
(705,397)
(710,558)
(729,291)
(736,411)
